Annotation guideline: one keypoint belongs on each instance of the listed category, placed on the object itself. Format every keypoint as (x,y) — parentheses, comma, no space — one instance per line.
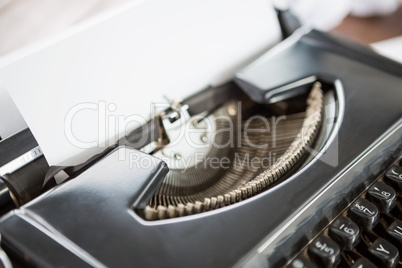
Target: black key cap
(383,196)
(364,213)
(384,253)
(394,232)
(344,232)
(363,263)
(394,178)
(301,262)
(324,252)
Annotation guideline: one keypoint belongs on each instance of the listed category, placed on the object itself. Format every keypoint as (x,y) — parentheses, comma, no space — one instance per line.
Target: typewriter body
(343,103)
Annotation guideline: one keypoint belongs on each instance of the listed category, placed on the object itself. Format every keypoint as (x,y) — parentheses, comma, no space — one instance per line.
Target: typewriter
(295,162)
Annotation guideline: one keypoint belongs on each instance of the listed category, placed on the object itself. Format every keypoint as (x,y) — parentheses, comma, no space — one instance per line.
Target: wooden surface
(370,30)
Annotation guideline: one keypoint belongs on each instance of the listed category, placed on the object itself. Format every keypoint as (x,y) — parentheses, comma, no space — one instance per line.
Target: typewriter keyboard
(368,233)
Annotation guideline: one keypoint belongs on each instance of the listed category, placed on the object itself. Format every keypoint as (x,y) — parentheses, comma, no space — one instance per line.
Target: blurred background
(23,22)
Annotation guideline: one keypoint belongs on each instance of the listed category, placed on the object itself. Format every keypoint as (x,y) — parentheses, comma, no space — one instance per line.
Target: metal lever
(175,112)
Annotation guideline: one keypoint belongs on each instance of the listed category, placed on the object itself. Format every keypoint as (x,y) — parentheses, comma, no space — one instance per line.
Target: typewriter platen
(337,112)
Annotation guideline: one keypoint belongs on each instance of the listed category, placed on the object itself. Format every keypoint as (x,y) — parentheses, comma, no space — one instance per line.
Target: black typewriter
(294,163)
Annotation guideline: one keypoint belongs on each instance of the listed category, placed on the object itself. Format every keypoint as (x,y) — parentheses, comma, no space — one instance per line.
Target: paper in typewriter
(80,91)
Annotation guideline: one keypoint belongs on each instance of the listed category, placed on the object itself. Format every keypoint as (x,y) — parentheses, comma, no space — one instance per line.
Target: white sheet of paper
(391,48)
(10,117)
(80,91)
